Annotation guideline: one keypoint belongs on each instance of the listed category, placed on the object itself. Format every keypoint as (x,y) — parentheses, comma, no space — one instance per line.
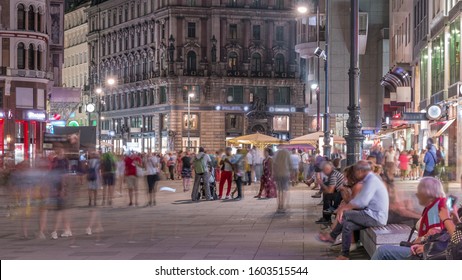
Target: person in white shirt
(152,163)
(257,163)
(294,167)
(305,164)
(248,173)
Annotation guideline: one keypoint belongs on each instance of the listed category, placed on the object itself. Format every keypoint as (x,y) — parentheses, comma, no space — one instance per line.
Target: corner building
(236,57)
(31,48)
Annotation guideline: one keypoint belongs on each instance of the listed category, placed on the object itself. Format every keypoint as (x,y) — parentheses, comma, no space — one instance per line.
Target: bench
(392,234)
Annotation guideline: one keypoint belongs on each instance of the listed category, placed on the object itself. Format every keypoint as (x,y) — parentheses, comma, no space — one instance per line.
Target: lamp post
(190,95)
(354,138)
(322,54)
(99,91)
(315,87)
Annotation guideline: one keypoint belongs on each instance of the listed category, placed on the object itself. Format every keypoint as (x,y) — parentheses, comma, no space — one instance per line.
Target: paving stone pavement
(179,229)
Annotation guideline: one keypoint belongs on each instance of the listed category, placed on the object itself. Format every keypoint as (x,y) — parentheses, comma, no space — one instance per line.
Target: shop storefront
(28,134)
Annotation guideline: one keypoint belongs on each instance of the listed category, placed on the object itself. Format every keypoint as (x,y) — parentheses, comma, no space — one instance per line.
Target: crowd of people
(352,197)
(409,164)
(364,195)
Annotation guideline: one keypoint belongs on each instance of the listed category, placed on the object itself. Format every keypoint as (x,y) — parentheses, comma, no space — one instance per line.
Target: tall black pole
(326,97)
(318,100)
(354,124)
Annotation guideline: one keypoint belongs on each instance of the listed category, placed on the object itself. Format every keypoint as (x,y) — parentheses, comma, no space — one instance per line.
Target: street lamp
(354,138)
(302,9)
(99,91)
(190,95)
(315,87)
(321,54)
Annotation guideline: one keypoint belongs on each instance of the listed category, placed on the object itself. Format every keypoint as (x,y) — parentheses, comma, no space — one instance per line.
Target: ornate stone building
(75,68)
(31,46)
(235,60)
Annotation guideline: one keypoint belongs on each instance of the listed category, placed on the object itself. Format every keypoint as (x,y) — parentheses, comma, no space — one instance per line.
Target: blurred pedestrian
(179,164)
(108,171)
(403,164)
(59,169)
(186,171)
(132,161)
(152,176)
(267,183)
(226,174)
(294,166)
(281,175)
(93,178)
(201,164)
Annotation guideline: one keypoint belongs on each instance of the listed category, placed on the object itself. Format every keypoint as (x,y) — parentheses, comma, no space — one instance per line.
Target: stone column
(26,57)
(36,21)
(37,53)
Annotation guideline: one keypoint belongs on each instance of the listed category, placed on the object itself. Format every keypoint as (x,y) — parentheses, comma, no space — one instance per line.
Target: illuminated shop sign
(282,110)
(2,114)
(35,115)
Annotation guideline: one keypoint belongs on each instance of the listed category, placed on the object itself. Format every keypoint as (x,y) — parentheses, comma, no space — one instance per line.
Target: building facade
(75,68)
(373,50)
(233,60)
(30,62)
(399,94)
(437,79)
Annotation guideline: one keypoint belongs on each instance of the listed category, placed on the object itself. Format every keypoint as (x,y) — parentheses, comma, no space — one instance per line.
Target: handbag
(436,245)
(454,250)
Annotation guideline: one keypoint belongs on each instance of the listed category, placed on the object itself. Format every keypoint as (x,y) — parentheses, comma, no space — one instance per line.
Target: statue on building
(214,49)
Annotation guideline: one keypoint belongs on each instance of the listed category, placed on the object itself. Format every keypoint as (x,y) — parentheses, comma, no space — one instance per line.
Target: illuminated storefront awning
(443,129)
(396,77)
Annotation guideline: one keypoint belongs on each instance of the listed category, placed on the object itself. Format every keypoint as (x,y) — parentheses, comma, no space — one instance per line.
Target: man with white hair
(368,209)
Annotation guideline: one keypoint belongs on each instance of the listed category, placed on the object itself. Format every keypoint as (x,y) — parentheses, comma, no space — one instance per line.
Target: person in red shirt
(131,162)
(431,195)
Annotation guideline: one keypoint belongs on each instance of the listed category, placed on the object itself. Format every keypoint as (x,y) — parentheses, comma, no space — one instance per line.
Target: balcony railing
(5,71)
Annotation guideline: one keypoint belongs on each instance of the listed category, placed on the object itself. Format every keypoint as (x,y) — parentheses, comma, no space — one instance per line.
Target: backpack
(91,173)
(199,165)
(108,163)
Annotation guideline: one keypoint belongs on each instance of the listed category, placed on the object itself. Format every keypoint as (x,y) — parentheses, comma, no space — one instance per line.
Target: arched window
(21,56)
(191,61)
(279,63)
(21,17)
(256,62)
(31,19)
(232,61)
(39,58)
(39,21)
(31,57)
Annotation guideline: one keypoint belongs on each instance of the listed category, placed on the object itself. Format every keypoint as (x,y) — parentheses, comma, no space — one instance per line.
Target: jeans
(352,220)
(429,173)
(239,186)
(330,200)
(391,252)
(248,176)
(195,191)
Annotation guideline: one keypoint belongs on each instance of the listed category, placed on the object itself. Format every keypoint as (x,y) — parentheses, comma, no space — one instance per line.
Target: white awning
(443,129)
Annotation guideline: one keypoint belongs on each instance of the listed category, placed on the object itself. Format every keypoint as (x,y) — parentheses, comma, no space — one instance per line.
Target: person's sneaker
(323,221)
(329,211)
(227,197)
(238,198)
(66,233)
(88,231)
(130,204)
(54,235)
(316,195)
(40,235)
(325,237)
